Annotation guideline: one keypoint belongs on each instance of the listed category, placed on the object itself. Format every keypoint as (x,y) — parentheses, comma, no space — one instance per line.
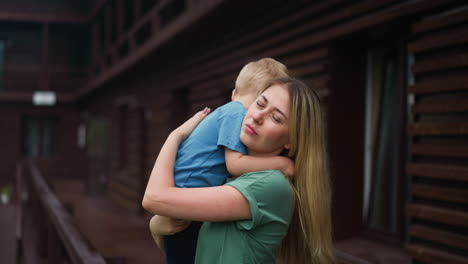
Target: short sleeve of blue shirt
(229,132)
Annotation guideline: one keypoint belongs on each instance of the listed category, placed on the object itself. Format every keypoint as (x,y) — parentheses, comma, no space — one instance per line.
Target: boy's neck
(245,100)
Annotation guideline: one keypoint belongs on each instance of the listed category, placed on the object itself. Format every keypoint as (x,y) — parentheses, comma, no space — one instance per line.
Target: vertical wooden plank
(137,10)
(120,13)
(45,57)
(107,35)
(53,245)
(94,43)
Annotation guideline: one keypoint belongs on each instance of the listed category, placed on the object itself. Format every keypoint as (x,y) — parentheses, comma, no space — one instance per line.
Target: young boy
(214,152)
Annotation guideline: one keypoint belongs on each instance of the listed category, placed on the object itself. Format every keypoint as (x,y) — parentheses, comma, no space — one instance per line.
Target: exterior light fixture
(44,98)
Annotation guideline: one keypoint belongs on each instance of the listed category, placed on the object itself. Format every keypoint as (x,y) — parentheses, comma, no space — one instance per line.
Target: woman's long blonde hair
(309,239)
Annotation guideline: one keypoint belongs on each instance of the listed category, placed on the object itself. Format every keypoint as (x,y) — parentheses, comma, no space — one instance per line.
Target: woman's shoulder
(265,174)
(267,179)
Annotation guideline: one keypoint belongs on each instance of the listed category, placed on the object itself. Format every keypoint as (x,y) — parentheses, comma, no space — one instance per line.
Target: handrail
(78,249)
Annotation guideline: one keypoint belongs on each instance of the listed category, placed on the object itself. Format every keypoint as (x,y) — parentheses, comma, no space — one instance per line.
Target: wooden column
(107,33)
(94,43)
(120,13)
(45,79)
(137,8)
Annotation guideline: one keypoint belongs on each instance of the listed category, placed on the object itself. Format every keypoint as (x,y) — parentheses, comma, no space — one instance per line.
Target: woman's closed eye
(277,118)
(260,104)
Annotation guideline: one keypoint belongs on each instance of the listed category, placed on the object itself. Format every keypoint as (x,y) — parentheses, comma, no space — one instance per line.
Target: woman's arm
(221,203)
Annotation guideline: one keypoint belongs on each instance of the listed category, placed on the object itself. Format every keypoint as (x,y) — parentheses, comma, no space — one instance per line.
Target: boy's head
(255,76)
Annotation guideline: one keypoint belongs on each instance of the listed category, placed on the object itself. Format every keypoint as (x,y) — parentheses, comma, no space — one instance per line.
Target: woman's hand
(184,130)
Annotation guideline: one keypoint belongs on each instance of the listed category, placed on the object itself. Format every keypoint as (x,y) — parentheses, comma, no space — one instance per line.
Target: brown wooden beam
(441,62)
(439,40)
(440,193)
(429,255)
(444,172)
(41,18)
(446,150)
(437,214)
(443,83)
(440,128)
(443,237)
(26,97)
(441,21)
(442,106)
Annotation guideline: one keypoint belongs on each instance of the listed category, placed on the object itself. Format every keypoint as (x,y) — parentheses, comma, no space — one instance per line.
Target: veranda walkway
(111,229)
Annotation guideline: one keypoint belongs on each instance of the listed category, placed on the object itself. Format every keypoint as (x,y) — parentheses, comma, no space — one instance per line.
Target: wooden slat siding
(457,17)
(438,214)
(307,70)
(460,151)
(429,255)
(443,83)
(304,57)
(442,106)
(457,173)
(441,40)
(443,237)
(286,42)
(262,33)
(281,43)
(440,193)
(77,248)
(438,63)
(440,128)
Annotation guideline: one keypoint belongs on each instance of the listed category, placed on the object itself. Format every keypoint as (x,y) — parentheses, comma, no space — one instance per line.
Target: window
(39,136)
(383,127)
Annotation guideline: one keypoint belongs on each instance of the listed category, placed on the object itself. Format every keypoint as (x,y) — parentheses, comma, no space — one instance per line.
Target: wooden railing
(48,230)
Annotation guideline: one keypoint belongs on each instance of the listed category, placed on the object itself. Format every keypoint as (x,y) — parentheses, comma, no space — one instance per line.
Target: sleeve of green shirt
(270,197)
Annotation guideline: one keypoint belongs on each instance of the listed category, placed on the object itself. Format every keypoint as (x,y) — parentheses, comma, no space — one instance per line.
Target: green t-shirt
(271,201)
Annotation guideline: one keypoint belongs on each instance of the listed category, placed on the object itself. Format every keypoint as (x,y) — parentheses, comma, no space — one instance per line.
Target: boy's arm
(238,163)
(161,226)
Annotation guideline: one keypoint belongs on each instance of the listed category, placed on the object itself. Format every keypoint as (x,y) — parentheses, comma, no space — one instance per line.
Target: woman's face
(265,127)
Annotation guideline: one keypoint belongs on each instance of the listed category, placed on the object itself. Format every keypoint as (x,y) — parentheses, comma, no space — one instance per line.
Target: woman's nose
(258,117)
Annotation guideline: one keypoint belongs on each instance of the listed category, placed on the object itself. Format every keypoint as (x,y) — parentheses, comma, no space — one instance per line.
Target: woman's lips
(250,129)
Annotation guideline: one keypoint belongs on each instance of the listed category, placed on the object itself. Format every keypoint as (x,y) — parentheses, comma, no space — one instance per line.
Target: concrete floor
(110,228)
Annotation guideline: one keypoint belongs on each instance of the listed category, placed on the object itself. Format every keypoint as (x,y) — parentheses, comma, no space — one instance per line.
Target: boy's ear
(233,95)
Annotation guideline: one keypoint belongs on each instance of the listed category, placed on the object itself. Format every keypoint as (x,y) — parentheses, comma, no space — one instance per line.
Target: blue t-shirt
(200,159)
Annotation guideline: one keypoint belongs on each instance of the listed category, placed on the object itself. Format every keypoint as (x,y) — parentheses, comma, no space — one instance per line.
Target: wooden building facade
(392,74)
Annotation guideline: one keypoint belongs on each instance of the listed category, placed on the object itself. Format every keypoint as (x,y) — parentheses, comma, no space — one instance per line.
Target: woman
(250,216)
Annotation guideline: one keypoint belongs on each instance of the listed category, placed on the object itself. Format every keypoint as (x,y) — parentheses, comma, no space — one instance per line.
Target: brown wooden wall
(321,43)
(438,167)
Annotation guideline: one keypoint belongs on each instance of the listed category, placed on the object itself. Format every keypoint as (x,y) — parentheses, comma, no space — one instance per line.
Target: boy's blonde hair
(255,76)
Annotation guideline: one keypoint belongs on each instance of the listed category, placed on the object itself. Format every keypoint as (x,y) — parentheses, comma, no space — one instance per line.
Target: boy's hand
(184,130)
(287,166)
(163,225)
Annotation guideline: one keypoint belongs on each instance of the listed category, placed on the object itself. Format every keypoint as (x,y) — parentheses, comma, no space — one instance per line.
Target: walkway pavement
(110,228)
